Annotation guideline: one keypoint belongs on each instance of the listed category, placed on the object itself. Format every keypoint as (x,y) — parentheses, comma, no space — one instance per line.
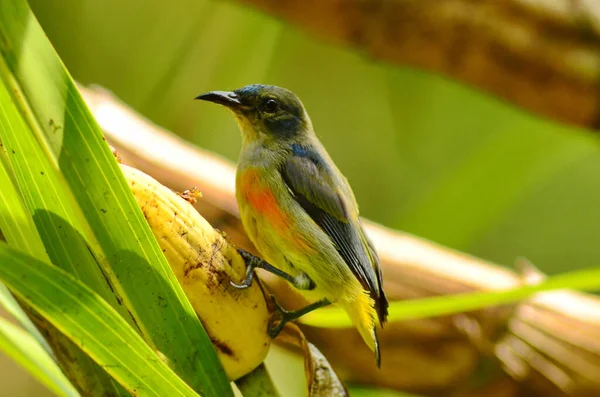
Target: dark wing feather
(382,303)
(312,183)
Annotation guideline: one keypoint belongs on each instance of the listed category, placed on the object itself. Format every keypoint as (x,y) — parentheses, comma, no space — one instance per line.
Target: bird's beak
(225,98)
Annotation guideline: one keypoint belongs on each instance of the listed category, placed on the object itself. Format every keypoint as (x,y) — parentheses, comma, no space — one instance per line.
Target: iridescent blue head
(264,111)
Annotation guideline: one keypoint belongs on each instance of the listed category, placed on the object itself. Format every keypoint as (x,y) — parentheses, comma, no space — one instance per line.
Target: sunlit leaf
(19,230)
(85,213)
(583,280)
(91,323)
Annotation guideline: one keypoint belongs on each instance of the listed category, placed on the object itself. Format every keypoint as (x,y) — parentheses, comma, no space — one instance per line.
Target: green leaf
(91,323)
(85,213)
(17,228)
(15,221)
(583,280)
(24,349)
(20,232)
(62,236)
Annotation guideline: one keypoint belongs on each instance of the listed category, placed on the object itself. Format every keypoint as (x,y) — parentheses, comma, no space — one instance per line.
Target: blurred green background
(423,154)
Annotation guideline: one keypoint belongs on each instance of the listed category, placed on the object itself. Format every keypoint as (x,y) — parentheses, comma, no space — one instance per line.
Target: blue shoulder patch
(307,152)
(298,150)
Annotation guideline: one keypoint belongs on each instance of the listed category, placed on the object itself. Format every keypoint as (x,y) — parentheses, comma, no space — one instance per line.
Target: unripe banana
(204,263)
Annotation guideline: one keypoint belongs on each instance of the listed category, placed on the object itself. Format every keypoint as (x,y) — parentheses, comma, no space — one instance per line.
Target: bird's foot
(252,262)
(301,281)
(285,316)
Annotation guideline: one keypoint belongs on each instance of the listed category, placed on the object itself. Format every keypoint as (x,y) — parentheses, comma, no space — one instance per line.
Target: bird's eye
(271,105)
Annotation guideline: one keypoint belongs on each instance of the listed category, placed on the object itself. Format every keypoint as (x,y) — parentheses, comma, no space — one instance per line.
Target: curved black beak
(225,98)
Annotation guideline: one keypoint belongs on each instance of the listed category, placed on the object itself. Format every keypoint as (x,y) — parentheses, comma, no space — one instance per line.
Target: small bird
(300,212)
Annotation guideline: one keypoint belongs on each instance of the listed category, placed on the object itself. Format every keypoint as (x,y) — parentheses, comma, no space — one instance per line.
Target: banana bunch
(204,263)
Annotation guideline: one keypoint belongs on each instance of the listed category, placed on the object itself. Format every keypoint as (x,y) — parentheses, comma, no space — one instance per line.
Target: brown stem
(542,55)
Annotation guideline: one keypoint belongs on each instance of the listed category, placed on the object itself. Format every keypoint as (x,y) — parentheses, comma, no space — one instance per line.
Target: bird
(300,212)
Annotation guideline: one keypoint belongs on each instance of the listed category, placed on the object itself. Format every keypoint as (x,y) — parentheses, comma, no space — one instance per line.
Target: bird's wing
(382,303)
(311,182)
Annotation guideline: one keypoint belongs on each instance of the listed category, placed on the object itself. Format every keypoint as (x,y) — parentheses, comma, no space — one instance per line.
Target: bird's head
(264,112)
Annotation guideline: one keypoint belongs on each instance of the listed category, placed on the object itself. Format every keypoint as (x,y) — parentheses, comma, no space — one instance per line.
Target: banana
(204,263)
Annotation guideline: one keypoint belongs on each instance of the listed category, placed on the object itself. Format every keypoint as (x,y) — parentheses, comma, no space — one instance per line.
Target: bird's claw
(283,318)
(243,285)
(247,281)
(249,272)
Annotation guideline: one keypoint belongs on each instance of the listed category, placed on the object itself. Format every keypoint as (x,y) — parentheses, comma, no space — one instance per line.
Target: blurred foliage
(423,154)
(369,392)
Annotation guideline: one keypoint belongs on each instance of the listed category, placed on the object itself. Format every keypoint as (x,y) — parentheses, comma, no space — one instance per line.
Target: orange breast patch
(263,201)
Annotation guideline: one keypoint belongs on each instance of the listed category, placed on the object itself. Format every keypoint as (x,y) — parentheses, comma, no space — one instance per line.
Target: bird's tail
(363,315)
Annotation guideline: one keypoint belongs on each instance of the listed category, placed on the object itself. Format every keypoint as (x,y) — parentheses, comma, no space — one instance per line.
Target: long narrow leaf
(87,319)
(115,230)
(18,227)
(24,349)
(59,224)
(48,214)
(583,280)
